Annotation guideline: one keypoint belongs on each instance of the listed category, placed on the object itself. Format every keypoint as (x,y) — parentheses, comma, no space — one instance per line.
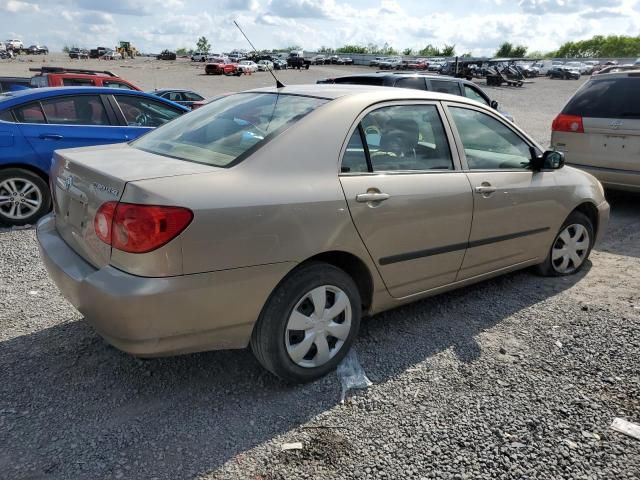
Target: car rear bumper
(160,316)
(613,178)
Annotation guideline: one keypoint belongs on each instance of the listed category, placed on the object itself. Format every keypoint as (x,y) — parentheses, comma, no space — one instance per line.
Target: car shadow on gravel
(73,407)
(623,234)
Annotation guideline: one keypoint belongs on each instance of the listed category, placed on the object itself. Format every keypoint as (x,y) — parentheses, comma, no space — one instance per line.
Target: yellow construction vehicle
(127,50)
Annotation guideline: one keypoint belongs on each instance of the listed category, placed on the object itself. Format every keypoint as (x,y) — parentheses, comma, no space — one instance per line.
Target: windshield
(227,130)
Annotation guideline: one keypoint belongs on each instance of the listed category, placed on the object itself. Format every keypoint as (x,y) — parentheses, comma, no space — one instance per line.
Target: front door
(408,198)
(515,212)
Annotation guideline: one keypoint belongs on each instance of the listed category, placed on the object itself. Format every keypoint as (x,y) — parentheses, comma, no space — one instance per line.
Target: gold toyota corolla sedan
(277,218)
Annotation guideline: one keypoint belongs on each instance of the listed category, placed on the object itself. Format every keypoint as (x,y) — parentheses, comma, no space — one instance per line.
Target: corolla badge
(105,188)
(616,124)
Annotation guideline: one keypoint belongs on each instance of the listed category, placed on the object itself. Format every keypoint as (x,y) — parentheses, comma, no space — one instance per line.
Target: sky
(476,26)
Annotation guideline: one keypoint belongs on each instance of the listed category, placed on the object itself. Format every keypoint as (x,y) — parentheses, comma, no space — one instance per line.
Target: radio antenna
(278,83)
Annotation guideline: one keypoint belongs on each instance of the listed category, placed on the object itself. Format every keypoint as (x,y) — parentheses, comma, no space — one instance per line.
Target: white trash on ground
(351,375)
(627,428)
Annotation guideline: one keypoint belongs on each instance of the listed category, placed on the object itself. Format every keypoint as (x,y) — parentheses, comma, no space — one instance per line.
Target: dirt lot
(518,377)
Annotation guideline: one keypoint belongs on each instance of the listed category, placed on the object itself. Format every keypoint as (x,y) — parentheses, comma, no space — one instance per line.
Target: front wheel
(570,248)
(308,324)
(24,197)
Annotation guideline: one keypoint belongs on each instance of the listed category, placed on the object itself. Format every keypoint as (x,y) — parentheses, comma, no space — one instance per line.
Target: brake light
(138,228)
(567,123)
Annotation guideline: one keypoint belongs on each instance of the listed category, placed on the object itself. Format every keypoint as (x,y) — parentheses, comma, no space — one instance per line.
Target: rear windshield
(608,98)
(227,130)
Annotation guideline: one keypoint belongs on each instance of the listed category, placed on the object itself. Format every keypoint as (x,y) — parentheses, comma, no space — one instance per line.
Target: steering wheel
(142,119)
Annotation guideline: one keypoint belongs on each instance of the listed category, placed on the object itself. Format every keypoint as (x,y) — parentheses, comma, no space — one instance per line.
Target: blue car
(35,122)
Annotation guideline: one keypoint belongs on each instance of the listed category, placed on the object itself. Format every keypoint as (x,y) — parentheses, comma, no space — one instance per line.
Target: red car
(221,66)
(419,64)
(77,77)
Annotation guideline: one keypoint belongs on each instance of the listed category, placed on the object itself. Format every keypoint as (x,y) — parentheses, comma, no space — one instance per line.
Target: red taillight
(567,123)
(137,228)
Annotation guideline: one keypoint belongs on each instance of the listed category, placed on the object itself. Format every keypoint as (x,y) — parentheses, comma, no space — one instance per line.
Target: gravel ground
(518,377)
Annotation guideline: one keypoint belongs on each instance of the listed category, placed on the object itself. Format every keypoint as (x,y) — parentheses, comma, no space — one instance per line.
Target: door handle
(372,197)
(485,189)
(50,136)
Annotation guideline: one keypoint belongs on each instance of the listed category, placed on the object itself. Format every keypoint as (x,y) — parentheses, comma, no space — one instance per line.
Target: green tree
(351,49)
(430,51)
(407,51)
(182,51)
(203,45)
(448,50)
(509,50)
(600,46)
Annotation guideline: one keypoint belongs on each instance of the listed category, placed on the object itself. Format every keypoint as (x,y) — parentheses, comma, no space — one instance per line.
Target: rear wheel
(24,197)
(309,323)
(570,248)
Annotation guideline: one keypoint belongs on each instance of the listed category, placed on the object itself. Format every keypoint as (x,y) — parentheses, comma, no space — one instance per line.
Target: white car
(15,44)
(264,65)
(112,55)
(248,66)
(199,57)
(579,66)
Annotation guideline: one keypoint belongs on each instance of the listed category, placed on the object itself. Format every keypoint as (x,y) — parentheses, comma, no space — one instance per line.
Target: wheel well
(29,168)
(353,266)
(590,210)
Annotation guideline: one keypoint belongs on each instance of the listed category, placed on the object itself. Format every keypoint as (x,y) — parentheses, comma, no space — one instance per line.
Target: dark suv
(418,81)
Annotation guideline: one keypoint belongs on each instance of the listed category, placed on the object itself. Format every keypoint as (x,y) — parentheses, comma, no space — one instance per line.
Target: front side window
(407,137)
(77,82)
(192,97)
(489,144)
(221,132)
(473,94)
(144,112)
(30,113)
(79,110)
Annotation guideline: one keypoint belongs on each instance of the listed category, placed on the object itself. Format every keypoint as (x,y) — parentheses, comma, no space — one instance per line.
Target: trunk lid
(82,179)
(615,139)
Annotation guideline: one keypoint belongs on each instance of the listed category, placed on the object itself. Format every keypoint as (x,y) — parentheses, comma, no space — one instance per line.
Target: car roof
(633,73)
(405,75)
(377,93)
(165,90)
(11,99)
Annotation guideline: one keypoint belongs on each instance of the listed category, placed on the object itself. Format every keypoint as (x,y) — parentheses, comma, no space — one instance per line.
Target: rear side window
(80,110)
(112,84)
(443,86)
(174,96)
(192,97)
(77,82)
(407,137)
(416,83)
(354,159)
(30,113)
(360,80)
(609,98)
(144,112)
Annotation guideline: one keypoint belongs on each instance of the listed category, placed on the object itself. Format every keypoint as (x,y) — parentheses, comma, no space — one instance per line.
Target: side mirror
(549,160)
(494,104)
(553,160)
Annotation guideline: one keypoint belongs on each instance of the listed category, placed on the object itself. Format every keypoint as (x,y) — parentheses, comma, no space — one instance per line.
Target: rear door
(409,200)
(609,143)
(67,121)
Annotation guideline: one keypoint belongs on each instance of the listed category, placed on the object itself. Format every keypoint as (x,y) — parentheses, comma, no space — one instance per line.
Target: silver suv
(599,129)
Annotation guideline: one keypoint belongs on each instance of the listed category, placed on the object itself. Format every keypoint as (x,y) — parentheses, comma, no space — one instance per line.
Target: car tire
(302,355)
(35,201)
(577,235)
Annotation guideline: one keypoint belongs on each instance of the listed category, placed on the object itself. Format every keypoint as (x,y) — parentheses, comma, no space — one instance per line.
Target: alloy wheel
(318,326)
(570,248)
(19,198)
